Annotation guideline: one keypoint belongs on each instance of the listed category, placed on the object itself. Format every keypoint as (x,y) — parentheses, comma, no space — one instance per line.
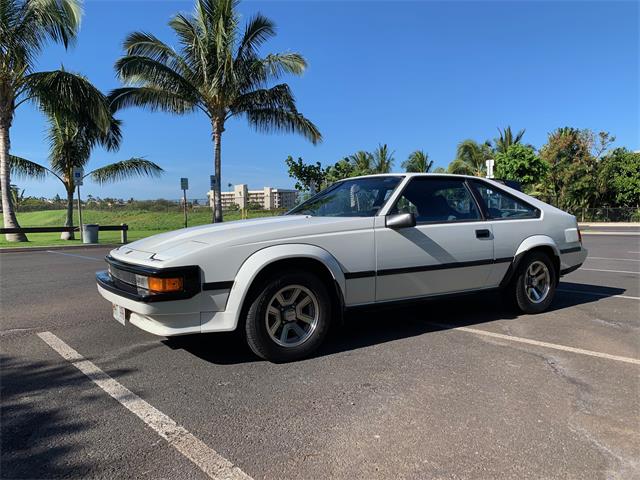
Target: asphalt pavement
(460,389)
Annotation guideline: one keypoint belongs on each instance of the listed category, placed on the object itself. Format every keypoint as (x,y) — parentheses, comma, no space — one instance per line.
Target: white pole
(489,163)
(80,214)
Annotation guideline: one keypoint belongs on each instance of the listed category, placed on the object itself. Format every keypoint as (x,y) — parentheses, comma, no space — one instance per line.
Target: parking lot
(458,389)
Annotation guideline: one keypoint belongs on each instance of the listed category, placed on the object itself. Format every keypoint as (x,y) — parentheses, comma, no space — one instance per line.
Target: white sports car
(363,241)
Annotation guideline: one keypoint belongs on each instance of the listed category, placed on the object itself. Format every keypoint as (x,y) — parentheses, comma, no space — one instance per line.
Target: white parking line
(608,258)
(207,459)
(537,343)
(77,256)
(597,294)
(611,271)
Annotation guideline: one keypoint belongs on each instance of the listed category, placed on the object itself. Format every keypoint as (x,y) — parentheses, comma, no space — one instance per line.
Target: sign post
(490,163)
(184,185)
(78,175)
(212,188)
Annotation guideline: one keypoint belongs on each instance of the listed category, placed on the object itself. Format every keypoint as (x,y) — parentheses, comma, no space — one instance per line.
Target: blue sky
(414,75)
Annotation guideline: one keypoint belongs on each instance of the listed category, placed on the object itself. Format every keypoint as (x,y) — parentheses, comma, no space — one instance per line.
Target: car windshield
(361,197)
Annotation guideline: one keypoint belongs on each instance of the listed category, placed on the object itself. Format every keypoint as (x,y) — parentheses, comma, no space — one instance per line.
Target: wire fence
(607,214)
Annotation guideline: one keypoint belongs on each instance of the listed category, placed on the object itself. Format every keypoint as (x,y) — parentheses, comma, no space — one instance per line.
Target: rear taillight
(579,235)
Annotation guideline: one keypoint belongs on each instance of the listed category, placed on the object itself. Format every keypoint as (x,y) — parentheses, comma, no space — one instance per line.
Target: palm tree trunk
(69,221)
(8,213)
(218,128)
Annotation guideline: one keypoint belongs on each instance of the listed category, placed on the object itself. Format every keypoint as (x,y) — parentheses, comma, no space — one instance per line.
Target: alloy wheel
(292,315)
(537,282)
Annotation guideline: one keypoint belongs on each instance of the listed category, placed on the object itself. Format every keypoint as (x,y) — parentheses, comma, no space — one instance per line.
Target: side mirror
(400,220)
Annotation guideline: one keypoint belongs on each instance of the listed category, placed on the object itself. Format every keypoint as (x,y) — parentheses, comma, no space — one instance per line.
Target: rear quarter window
(500,205)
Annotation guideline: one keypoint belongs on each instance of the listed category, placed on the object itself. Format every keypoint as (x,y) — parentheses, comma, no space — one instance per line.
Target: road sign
(184,184)
(213,181)
(78,174)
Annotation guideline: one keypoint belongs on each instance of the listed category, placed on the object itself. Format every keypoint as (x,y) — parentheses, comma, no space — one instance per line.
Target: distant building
(268,198)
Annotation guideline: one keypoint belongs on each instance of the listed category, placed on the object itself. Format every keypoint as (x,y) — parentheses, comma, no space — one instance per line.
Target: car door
(512,220)
(450,249)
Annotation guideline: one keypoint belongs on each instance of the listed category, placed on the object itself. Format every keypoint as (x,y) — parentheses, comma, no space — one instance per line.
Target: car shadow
(378,324)
(39,438)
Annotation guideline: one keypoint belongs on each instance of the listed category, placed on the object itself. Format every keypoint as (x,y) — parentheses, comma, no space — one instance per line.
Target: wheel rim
(292,315)
(537,282)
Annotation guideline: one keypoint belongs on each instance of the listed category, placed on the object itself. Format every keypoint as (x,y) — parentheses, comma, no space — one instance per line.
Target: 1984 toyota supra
(362,241)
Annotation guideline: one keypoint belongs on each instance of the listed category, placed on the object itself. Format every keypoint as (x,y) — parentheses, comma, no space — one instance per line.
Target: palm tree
(217,70)
(471,158)
(25,28)
(362,162)
(382,159)
(418,162)
(507,138)
(71,142)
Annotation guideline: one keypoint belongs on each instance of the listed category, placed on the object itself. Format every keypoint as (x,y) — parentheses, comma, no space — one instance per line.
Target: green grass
(141,224)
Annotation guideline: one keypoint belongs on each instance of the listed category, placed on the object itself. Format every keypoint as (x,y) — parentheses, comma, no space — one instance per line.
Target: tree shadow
(36,440)
(378,324)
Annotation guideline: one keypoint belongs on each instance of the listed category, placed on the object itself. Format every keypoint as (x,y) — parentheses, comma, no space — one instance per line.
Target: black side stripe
(425,268)
(363,274)
(217,285)
(571,250)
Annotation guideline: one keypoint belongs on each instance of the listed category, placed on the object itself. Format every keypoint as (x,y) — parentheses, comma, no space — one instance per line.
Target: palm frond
(144,71)
(362,162)
(39,20)
(418,162)
(148,45)
(125,169)
(382,159)
(153,98)
(259,29)
(268,119)
(279,64)
(21,167)
(277,97)
(460,167)
(70,94)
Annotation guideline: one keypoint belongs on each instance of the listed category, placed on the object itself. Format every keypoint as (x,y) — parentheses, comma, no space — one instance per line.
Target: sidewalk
(609,224)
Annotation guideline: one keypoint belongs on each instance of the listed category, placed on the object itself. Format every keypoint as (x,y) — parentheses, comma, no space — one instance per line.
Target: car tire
(281,328)
(534,284)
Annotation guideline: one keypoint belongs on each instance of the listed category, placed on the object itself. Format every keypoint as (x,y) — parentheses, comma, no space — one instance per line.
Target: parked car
(368,240)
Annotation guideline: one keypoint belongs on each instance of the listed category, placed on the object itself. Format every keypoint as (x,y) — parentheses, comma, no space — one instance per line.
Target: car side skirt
(422,298)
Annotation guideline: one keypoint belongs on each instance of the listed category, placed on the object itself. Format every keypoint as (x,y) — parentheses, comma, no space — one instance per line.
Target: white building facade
(268,198)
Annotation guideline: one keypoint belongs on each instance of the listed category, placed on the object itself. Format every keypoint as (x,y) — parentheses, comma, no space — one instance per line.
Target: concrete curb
(628,234)
(57,247)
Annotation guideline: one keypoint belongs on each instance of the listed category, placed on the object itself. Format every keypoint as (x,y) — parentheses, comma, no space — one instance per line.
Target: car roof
(407,174)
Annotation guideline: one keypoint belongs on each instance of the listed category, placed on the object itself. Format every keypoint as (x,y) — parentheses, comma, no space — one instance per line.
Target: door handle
(483,233)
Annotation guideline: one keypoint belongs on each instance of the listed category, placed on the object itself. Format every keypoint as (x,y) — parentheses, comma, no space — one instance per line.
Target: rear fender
(526,246)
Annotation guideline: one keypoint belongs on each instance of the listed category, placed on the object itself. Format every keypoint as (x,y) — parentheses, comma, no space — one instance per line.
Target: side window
(502,205)
(437,200)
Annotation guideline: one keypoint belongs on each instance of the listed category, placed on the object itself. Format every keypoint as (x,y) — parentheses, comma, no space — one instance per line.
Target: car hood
(240,232)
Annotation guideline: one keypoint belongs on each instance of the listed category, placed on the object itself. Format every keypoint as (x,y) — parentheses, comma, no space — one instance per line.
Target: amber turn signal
(164,284)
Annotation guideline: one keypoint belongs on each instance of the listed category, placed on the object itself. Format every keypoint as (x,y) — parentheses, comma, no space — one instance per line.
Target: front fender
(255,263)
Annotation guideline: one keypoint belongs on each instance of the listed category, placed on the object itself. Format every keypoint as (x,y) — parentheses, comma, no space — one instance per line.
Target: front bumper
(179,313)
(164,319)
